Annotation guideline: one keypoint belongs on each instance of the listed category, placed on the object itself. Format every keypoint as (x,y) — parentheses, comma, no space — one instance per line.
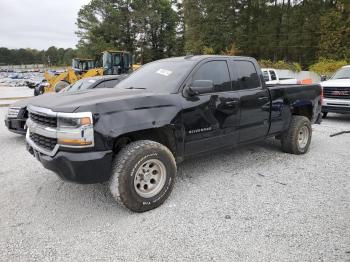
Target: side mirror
(200,87)
(323,78)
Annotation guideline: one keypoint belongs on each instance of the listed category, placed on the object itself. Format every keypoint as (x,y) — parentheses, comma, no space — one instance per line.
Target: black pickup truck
(135,135)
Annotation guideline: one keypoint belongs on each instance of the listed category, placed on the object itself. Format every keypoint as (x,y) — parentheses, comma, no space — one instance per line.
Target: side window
(273,75)
(100,85)
(216,71)
(111,83)
(247,74)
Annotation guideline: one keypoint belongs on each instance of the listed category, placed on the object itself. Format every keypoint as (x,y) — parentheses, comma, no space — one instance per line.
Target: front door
(211,120)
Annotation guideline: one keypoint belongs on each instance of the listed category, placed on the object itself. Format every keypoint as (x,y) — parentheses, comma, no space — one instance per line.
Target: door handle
(231,103)
(263,98)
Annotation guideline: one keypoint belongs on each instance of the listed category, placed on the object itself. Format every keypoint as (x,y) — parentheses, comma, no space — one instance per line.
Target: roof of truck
(201,57)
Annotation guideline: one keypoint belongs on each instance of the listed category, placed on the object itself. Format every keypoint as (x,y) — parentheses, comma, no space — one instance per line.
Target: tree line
(290,30)
(51,56)
(302,32)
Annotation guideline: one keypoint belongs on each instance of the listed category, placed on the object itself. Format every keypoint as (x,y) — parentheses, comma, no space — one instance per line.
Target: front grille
(43,120)
(336,109)
(43,142)
(336,92)
(13,112)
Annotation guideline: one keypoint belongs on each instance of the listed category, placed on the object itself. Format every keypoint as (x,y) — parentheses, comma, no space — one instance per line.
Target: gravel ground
(15,91)
(250,204)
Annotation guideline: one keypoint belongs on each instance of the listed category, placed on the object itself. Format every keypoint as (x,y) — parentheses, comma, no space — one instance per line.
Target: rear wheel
(297,139)
(143,175)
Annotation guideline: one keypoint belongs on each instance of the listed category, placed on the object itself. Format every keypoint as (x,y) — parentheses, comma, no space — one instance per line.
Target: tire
(143,175)
(324,115)
(296,140)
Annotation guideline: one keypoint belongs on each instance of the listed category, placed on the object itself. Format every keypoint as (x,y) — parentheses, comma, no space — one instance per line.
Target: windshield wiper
(131,87)
(345,77)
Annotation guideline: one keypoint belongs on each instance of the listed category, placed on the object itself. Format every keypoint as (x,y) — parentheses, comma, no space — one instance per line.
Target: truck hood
(27,101)
(336,83)
(96,100)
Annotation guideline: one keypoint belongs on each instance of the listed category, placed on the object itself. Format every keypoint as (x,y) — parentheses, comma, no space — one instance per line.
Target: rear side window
(216,71)
(247,75)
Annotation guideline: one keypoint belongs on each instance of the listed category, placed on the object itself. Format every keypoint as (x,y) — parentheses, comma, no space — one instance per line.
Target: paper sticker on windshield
(92,81)
(164,72)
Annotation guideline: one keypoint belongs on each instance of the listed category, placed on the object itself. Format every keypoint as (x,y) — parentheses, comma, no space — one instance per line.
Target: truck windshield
(160,76)
(80,85)
(343,73)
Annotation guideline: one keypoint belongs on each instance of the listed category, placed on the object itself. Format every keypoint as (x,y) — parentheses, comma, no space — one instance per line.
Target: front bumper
(81,167)
(341,106)
(76,163)
(15,125)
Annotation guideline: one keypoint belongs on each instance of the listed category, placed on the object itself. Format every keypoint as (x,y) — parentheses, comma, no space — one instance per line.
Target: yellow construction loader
(113,63)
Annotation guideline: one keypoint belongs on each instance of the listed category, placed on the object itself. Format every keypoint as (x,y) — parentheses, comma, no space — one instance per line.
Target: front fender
(119,123)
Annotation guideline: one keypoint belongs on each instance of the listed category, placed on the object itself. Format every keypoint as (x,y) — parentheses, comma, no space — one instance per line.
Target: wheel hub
(150,178)
(303,137)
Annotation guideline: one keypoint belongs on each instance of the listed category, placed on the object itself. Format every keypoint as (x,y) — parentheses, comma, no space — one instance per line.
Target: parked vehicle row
(136,134)
(17,115)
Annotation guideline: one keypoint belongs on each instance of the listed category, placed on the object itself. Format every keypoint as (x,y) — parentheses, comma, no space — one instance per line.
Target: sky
(39,24)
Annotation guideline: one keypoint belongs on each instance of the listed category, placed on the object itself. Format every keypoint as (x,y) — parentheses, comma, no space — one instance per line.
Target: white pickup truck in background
(272,77)
(336,92)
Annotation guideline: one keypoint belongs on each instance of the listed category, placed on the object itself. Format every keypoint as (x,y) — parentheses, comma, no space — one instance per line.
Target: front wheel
(324,115)
(143,175)
(297,139)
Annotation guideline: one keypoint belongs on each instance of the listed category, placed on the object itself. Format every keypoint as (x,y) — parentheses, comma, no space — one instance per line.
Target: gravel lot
(249,204)
(18,91)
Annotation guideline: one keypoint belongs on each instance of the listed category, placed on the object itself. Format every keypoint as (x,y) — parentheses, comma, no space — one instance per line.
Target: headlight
(75,129)
(65,122)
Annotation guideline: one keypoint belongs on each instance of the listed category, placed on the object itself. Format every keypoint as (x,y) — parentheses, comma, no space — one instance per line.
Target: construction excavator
(113,63)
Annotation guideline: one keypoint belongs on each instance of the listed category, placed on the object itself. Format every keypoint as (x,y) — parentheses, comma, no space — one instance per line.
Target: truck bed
(286,99)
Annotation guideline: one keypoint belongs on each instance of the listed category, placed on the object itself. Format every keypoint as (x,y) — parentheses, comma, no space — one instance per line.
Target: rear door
(211,120)
(254,102)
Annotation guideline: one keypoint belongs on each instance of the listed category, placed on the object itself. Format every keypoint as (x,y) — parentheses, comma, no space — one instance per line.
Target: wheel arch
(303,109)
(164,135)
